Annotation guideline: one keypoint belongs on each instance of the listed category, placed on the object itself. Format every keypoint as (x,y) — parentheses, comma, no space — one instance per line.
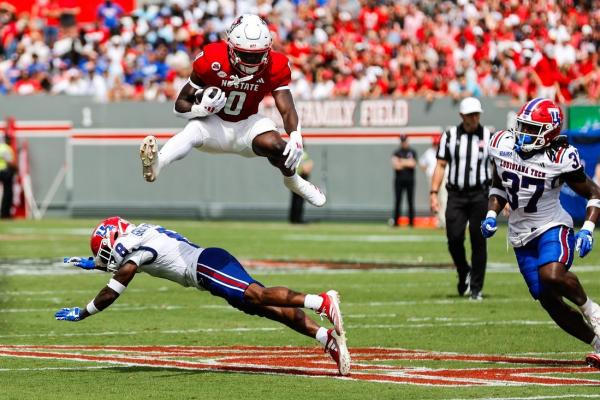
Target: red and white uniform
(532,186)
(243,96)
(233,129)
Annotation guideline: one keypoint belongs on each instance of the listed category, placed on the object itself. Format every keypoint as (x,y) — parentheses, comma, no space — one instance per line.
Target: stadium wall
(96,147)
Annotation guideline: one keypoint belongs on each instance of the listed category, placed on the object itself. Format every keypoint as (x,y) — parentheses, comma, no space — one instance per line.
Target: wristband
(593,203)
(116,286)
(91,308)
(433,192)
(491,214)
(588,226)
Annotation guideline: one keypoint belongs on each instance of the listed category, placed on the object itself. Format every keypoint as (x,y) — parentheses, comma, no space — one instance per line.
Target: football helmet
(538,124)
(103,239)
(249,41)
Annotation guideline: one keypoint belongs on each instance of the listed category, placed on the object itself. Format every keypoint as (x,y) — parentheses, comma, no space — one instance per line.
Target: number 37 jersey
(532,186)
(159,252)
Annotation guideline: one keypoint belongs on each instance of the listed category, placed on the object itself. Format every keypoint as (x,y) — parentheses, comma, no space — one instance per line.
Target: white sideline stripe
(115,308)
(59,268)
(56,231)
(366,238)
(558,396)
(63,368)
(182,331)
(351,326)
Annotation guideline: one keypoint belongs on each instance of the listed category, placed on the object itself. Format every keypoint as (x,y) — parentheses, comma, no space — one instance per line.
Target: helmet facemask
(104,257)
(529,135)
(251,62)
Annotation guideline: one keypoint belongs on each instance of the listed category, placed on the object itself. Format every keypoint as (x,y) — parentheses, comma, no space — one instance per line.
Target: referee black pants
(468,207)
(408,187)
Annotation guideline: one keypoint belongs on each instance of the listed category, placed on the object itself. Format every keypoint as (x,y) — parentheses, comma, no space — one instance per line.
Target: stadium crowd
(343,48)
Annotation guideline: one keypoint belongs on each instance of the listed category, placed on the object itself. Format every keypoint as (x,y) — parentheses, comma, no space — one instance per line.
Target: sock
(596,344)
(587,307)
(321,336)
(313,301)
(291,181)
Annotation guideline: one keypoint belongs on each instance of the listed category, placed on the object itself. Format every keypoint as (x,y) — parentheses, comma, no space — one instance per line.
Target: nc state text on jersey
(252,87)
(522,169)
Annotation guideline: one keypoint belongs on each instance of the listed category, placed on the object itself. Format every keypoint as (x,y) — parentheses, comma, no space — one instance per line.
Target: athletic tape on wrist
(491,214)
(116,286)
(498,192)
(588,226)
(593,203)
(91,308)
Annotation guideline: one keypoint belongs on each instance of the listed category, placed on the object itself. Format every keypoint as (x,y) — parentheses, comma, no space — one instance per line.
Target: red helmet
(104,236)
(538,123)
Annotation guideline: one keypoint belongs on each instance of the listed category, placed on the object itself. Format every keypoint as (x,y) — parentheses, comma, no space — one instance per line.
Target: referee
(463,149)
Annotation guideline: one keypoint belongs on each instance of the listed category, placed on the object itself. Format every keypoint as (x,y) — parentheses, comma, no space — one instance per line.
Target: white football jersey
(159,252)
(532,186)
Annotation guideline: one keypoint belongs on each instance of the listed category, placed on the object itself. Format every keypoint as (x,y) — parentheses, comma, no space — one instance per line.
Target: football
(211,92)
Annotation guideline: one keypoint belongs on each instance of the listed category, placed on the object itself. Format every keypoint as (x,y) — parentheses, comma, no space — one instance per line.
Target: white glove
(212,102)
(293,150)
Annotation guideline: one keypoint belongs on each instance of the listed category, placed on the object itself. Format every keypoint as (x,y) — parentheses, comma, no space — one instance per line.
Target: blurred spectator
(108,14)
(347,48)
(8,168)
(428,162)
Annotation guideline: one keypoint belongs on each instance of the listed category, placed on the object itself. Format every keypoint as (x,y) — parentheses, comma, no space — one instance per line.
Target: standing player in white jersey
(531,163)
(125,249)
(220,102)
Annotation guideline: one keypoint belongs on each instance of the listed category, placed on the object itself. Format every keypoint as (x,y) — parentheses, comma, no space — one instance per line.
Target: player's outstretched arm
(294,148)
(105,297)
(496,202)
(585,187)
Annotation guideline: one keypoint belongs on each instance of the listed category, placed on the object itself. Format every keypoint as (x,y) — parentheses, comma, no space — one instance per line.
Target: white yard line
(63,368)
(558,396)
(466,324)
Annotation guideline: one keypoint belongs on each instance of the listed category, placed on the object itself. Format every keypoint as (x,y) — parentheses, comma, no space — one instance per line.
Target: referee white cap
(470,105)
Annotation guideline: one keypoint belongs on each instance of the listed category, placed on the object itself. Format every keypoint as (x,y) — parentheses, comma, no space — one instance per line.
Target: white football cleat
(304,188)
(149,157)
(336,347)
(331,309)
(594,319)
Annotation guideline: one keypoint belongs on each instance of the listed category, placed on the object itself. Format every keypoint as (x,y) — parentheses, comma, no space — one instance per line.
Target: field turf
(410,335)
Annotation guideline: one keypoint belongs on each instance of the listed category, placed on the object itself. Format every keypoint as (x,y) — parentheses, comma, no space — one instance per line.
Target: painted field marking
(311,362)
(558,396)
(350,326)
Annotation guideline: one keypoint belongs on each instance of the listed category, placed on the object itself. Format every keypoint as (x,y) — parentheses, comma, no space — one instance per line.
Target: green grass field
(483,349)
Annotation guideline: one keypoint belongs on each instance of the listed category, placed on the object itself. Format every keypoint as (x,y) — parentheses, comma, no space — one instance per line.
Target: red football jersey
(243,96)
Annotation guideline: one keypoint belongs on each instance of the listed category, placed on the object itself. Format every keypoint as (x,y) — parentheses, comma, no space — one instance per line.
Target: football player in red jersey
(220,101)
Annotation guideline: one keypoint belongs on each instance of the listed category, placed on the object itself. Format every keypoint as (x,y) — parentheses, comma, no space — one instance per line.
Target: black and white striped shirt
(467,157)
